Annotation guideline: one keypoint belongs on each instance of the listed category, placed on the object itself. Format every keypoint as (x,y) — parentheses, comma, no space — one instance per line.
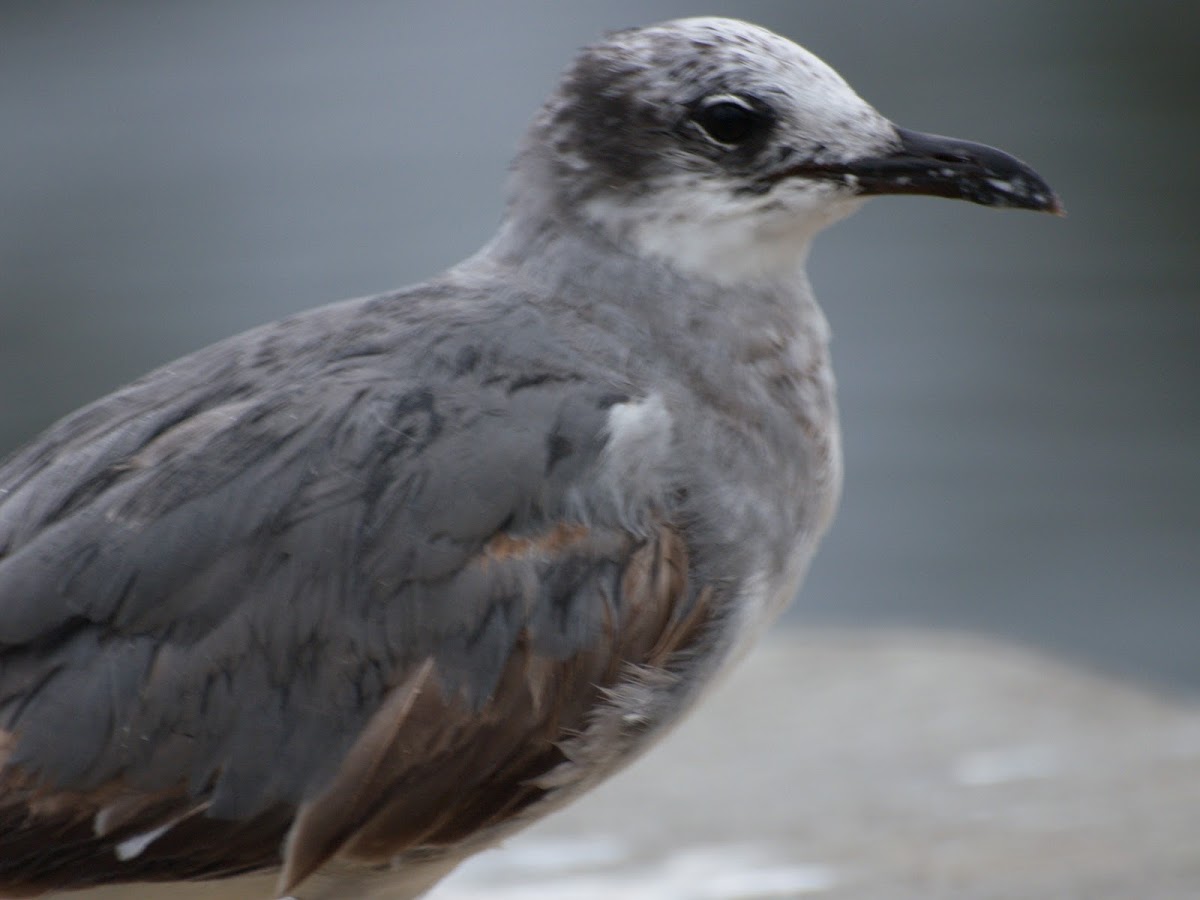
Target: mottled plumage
(367,588)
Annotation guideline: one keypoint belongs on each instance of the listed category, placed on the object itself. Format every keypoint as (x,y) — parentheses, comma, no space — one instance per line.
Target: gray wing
(272,589)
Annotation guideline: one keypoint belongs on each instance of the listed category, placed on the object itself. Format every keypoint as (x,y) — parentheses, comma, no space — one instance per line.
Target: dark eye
(730,120)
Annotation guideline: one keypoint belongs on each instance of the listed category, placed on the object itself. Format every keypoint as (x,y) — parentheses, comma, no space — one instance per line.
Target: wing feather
(354,608)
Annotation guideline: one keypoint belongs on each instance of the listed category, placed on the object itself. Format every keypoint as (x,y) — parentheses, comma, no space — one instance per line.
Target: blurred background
(1020,394)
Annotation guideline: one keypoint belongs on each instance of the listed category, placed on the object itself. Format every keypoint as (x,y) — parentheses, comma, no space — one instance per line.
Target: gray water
(1019,392)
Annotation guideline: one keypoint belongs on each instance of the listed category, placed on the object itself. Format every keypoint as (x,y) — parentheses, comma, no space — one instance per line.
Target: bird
(331,605)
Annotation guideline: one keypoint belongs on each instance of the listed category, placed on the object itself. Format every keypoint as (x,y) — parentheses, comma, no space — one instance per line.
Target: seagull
(331,605)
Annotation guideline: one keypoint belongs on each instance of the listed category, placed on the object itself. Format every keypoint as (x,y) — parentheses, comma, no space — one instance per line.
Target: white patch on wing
(638,449)
(640,427)
(132,847)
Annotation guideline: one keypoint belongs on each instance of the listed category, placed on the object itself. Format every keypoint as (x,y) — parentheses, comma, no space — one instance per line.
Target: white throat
(702,229)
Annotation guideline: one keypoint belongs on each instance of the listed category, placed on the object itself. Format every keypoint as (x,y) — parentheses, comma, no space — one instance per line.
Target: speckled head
(720,148)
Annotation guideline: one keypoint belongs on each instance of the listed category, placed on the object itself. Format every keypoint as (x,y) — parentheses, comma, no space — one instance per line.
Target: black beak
(942,167)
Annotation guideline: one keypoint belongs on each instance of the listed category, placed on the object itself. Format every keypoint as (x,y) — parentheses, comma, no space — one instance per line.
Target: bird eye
(730,120)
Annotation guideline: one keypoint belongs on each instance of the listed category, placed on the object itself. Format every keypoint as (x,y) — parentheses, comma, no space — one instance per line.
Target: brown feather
(556,541)
(319,828)
(452,772)
(428,771)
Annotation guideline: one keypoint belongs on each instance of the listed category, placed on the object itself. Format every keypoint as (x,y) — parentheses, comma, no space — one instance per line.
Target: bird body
(355,594)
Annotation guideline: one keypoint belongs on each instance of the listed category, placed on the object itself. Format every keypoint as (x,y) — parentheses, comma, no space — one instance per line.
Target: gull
(329,606)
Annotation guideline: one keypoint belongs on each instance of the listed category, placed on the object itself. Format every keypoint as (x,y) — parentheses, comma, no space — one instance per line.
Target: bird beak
(942,167)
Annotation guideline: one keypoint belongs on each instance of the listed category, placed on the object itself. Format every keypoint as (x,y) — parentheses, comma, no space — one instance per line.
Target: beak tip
(1047,202)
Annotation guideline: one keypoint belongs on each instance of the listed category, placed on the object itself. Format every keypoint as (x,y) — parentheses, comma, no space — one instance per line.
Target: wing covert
(223,608)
